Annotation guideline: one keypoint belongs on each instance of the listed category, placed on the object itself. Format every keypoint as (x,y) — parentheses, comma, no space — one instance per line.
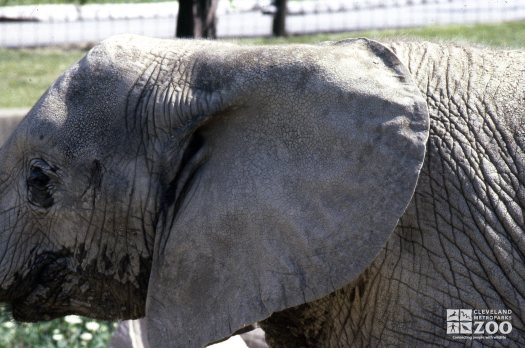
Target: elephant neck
(476,149)
(461,243)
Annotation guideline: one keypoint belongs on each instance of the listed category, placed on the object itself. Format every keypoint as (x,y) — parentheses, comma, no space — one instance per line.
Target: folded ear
(312,156)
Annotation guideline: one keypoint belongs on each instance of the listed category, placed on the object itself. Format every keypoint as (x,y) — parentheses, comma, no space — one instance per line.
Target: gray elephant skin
(342,194)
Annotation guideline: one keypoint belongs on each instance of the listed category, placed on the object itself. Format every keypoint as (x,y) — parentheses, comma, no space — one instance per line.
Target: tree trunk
(197,19)
(279,19)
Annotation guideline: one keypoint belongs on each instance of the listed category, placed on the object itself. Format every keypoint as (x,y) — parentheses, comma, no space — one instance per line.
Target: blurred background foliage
(68,332)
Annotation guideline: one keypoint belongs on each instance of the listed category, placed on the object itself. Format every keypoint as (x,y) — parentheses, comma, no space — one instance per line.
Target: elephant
(349,193)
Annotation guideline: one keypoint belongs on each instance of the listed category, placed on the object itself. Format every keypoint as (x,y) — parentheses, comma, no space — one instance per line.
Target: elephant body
(343,194)
(460,243)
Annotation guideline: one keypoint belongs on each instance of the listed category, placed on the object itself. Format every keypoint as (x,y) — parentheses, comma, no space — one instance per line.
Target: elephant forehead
(80,109)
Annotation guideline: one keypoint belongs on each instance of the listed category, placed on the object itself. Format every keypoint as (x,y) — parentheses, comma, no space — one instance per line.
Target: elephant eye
(41,183)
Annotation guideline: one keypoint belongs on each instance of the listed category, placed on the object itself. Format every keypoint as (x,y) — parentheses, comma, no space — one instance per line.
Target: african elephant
(208,186)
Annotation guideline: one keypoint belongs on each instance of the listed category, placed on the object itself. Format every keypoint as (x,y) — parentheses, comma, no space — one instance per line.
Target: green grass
(69,332)
(508,35)
(26,74)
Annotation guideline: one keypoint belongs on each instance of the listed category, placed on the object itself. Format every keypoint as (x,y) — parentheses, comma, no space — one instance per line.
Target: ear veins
(193,158)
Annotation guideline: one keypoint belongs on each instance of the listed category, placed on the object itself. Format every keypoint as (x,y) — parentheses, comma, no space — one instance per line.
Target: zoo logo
(478,322)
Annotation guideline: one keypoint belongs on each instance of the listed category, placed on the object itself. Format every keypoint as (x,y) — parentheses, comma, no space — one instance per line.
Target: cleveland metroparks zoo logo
(479,323)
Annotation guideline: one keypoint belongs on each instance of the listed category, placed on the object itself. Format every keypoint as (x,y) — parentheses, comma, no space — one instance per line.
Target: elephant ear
(312,155)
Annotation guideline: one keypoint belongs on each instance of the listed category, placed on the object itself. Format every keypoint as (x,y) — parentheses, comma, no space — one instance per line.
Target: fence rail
(69,24)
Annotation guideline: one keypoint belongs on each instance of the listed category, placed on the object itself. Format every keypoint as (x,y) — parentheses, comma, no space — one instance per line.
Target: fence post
(279,18)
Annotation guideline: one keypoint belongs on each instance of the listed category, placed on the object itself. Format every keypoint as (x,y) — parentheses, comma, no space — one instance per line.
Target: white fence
(41,25)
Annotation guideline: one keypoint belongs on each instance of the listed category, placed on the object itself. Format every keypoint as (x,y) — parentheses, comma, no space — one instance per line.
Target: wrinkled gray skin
(207,186)
(461,242)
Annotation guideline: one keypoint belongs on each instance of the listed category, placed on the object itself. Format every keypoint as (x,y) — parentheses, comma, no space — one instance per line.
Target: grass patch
(68,332)
(507,35)
(26,74)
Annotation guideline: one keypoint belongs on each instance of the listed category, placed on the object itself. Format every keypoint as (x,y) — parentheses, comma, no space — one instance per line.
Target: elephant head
(196,182)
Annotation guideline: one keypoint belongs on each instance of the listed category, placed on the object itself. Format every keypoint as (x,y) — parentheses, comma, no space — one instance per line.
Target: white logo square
(465,314)
(465,328)
(453,327)
(452,314)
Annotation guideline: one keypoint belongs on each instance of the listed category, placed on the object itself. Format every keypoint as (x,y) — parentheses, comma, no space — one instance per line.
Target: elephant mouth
(35,296)
(55,289)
